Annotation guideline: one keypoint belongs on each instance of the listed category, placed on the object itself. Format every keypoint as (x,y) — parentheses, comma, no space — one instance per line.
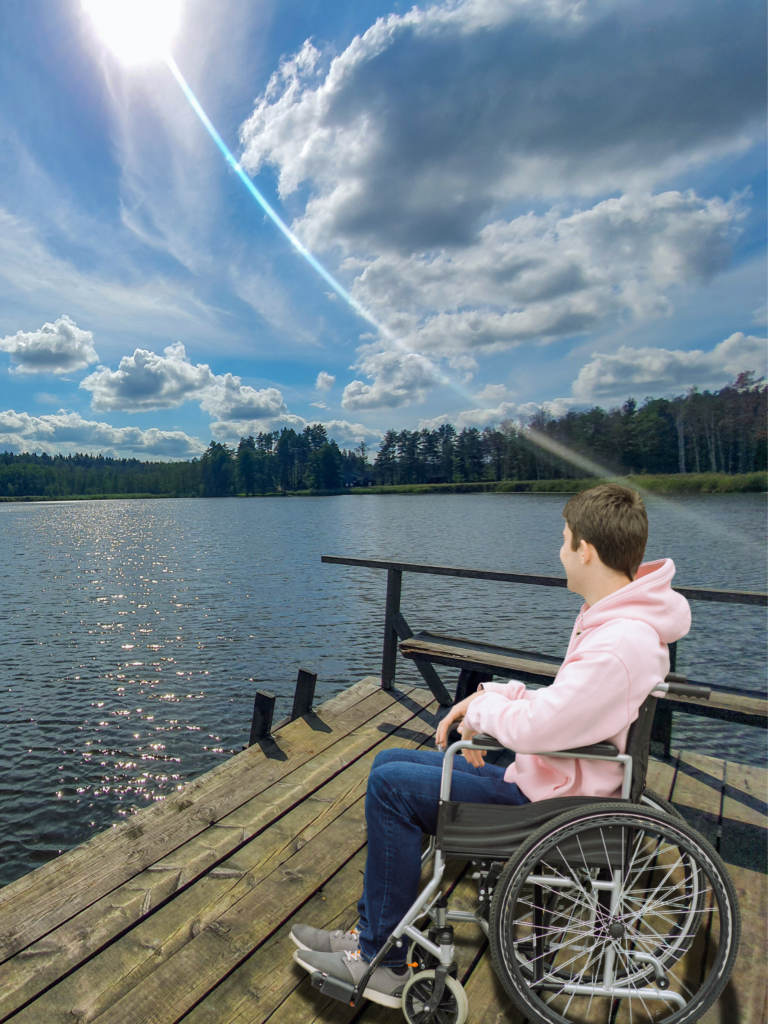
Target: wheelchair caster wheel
(453,1007)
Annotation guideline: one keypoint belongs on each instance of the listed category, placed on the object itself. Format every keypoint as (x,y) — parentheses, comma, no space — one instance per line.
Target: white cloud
(488,417)
(341,431)
(399,378)
(32,276)
(657,371)
(67,432)
(384,139)
(325,381)
(60,347)
(543,277)
(538,278)
(559,98)
(344,432)
(146,380)
(230,400)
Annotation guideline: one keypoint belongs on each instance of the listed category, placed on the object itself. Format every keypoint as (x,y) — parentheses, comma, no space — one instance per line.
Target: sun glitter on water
(137,31)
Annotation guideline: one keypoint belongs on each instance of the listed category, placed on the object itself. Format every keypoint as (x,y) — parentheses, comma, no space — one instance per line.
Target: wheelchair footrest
(333,987)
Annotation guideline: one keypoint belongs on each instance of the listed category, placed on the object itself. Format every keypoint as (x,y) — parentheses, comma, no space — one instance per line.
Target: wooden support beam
(263,710)
(433,681)
(304,694)
(389,653)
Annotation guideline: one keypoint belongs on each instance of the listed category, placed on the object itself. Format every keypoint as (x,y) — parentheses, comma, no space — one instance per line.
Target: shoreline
(677,483)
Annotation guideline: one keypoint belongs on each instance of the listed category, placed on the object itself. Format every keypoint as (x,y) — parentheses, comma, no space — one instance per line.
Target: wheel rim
(562,929)
(418,993)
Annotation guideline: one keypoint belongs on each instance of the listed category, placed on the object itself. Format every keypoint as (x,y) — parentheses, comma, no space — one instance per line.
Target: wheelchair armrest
(595,749)
(482,741)
(683,689)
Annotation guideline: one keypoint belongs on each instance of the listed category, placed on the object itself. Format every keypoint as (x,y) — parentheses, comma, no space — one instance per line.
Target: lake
(135,633)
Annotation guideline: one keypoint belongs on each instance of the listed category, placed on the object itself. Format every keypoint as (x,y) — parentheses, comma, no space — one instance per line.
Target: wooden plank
(264,982)
(421,648)
(470,646)
(41,964)
(698,783)
(660,777)
(488,1002)
(745,997)
(730,703)
(156,946)
(100,983)
(34,905)
(746,790)
(175,986)
(283,989)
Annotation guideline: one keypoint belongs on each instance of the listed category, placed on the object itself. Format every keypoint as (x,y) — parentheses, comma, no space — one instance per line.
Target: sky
(518,204)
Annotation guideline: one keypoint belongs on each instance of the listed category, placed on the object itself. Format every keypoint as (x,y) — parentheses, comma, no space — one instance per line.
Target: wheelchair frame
(430,902)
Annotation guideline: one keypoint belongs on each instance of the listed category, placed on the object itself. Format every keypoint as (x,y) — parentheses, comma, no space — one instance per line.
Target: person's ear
(585,550)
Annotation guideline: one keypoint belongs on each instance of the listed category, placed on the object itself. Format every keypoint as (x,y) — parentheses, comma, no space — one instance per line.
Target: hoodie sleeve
(513,689)
(587,703)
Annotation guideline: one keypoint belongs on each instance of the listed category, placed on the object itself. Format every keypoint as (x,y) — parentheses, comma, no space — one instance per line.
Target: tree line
(702,431)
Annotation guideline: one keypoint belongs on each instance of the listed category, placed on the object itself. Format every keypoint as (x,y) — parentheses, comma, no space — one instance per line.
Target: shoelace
(353,933)
(352,954)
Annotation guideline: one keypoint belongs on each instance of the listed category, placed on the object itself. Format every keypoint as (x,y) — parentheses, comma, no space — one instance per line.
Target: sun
(137,31)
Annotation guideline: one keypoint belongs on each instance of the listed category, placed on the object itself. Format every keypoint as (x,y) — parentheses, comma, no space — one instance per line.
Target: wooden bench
(479,662)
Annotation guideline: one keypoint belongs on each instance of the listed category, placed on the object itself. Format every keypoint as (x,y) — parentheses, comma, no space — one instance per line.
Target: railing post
(389,654)
(304,694)
(263,710)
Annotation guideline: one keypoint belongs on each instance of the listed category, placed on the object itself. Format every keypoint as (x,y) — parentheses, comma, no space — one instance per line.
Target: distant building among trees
(720,431)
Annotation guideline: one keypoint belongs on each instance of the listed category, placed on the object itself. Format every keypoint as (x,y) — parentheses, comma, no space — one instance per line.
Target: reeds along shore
(671,483)
(677,483)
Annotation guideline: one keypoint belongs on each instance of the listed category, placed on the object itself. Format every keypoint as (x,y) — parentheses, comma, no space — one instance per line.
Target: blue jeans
(400,804)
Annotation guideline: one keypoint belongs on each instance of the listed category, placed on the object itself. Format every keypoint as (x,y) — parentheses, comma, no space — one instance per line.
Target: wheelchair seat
(496,831)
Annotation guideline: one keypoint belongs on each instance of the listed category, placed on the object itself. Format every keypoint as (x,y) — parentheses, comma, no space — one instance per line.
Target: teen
(617,654)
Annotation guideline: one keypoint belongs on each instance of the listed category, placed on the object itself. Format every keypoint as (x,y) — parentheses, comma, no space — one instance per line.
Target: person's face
(573,561)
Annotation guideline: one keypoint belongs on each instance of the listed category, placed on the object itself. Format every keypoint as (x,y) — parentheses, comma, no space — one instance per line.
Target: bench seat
(487,659)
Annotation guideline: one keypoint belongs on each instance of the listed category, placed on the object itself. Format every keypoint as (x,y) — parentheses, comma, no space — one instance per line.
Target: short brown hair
(614,520)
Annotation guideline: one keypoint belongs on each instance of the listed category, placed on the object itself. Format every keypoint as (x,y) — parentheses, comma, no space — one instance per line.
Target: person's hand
(456,714)
(475,757)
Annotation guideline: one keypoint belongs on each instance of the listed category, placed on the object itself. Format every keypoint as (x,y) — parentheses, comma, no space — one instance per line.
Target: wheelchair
(595,909)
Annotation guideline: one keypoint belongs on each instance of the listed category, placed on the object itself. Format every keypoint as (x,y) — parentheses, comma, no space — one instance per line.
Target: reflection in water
(136,633)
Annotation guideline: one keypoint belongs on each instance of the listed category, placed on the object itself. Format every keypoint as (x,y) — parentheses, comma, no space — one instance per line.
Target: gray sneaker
(316,940)
(384,986)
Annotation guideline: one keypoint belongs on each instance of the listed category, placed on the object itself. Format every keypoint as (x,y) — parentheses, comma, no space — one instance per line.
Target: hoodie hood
(648,598)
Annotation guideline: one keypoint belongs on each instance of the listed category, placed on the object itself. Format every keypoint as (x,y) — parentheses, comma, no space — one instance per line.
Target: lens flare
(270,211)
(137,31)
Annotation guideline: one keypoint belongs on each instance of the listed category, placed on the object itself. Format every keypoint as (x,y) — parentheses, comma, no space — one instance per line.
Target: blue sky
(538,202)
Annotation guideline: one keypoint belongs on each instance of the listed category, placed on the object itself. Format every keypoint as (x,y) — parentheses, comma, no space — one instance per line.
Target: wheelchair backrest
(639,746)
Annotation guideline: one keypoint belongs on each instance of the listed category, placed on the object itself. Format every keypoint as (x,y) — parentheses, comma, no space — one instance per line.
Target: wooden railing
(728,703)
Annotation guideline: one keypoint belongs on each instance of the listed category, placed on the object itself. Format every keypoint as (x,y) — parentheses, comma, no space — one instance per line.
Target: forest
(720,431)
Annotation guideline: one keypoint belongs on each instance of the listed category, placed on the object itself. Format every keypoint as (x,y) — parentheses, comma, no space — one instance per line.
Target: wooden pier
(183,912)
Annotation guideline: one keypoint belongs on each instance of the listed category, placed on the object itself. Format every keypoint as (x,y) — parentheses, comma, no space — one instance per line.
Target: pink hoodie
(617,654)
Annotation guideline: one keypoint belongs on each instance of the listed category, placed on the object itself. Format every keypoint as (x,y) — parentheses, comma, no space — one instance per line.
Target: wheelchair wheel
(453,1007)
(658,803)
(614,911)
